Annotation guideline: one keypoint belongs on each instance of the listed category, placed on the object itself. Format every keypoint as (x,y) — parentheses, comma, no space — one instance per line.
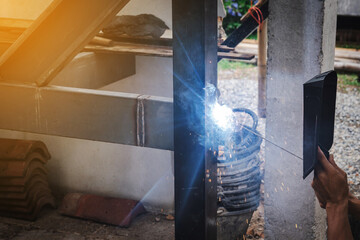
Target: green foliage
(226,64)
(349,79)
(235,10)
(349,45)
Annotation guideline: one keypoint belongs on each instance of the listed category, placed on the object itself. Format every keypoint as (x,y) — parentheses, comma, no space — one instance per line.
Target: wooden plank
(347,67)
(63,29)
(153,50)
(102,41)
(87,114)
(126,48)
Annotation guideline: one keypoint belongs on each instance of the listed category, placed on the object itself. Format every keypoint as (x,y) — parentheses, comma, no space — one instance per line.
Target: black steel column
(195,64)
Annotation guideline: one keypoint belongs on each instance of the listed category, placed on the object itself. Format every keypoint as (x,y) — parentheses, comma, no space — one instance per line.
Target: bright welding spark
(222,116)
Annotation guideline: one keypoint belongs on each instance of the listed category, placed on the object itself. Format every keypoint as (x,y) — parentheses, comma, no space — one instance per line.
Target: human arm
(353,202)
(330,186)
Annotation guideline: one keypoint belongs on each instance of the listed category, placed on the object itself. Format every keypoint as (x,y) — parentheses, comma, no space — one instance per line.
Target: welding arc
(276,145)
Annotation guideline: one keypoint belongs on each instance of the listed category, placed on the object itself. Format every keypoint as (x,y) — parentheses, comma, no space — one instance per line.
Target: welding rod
(291,153)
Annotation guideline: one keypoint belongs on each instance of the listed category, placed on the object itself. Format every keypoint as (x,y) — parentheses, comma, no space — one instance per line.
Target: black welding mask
(319,116)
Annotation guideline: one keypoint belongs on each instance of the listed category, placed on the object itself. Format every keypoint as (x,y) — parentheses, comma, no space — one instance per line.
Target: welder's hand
(330,182)
(331,188)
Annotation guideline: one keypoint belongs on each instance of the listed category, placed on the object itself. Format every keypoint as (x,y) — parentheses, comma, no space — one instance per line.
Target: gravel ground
(238,88)
(346,148)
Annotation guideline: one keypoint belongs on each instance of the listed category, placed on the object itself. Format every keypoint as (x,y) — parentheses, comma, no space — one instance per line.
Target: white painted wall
(153,74)
(153,77)
(159,8)
(108,169)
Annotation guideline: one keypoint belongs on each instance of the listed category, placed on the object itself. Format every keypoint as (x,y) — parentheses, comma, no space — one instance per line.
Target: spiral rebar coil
(239,175)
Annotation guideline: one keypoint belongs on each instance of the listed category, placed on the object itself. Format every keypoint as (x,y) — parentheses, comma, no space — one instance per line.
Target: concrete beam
(123,118)
(55,37)
(301,44)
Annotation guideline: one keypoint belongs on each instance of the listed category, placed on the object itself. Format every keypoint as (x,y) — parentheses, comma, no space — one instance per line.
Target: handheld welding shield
(319,117)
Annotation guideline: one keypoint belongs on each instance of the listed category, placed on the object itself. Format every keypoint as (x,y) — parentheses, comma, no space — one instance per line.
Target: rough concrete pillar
(301,44)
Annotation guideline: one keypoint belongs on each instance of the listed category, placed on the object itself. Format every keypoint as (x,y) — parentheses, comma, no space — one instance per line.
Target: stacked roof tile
(24,189)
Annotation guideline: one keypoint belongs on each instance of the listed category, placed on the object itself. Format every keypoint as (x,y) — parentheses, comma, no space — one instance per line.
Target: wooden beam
(122,118)
(62,30)
(248,25)
(261,63)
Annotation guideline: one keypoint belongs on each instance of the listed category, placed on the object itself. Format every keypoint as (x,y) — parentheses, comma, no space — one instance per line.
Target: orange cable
(259,18)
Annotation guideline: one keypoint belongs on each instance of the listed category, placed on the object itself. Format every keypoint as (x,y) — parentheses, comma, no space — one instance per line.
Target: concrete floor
(51,225)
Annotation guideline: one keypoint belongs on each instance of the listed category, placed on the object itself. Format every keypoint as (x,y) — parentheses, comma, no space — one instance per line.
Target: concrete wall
(349,7)
(301,43)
